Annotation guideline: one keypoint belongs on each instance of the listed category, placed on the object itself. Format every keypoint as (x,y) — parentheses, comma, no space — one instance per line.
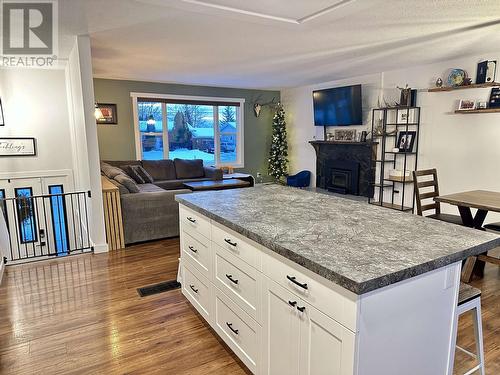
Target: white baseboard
(101,248)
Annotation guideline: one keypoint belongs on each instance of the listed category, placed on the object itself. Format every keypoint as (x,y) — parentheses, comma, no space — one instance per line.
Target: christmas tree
(279,148)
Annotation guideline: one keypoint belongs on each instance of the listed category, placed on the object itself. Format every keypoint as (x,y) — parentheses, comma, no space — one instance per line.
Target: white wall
(80,91)
(464,148)
(35,105)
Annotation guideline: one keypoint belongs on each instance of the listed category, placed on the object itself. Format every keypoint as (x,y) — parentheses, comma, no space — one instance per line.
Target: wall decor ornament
(345,135)
(466,105)
(439,82)
(22,146)
(108,115)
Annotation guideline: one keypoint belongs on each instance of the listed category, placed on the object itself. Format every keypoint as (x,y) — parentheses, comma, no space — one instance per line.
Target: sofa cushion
(121,189)
(177,184)
(149,188)
(143,173)
(131,171)
(127,182)
(110,171)
(160,169)
(189,168)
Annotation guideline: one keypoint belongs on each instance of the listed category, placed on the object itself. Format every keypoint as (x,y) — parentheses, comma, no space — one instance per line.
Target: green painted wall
(116,142)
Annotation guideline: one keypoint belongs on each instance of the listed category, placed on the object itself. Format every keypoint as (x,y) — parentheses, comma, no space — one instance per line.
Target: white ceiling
(276,43)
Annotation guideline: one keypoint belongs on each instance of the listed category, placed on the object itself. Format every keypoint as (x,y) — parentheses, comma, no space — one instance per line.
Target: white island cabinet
(283,319)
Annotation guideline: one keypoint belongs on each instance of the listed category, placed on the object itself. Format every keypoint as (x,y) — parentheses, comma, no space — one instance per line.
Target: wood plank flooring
(82,315)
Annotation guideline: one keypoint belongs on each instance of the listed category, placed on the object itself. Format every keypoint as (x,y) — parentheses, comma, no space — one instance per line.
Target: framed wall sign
(17,147)
(108,114)
(2,122)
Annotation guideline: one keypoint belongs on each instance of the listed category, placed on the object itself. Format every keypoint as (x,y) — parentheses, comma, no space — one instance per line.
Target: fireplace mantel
(330,153)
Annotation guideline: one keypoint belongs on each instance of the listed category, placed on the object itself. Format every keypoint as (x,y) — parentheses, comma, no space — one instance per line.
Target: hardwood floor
(82,315)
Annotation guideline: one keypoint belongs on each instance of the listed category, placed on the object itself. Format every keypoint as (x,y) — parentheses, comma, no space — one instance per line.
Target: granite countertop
(358,246)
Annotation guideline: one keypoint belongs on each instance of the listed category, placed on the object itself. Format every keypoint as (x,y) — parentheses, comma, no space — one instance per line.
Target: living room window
(185,127)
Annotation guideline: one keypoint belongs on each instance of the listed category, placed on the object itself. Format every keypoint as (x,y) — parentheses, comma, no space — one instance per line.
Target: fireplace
(345,167)
(344,177)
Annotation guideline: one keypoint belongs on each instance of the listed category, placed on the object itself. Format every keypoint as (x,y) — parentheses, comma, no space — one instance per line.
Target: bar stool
(469,299)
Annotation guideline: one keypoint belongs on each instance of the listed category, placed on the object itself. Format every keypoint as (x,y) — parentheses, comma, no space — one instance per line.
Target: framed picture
(406,140)
(17,147)
(466,105)
(2,122)
(347,135)
(109,115)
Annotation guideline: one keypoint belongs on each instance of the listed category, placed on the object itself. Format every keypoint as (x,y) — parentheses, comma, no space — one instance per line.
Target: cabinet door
(326,346)
(281,324)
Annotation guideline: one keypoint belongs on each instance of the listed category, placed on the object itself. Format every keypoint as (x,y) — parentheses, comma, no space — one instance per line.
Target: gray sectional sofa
(149,209)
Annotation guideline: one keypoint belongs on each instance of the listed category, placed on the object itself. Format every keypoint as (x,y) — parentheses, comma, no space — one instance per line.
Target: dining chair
(426,187)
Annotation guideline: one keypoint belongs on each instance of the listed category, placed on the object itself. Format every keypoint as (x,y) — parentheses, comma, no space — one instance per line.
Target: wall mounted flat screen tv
(339,106)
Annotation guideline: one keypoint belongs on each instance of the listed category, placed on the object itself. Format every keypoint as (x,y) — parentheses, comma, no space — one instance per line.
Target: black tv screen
(339,106)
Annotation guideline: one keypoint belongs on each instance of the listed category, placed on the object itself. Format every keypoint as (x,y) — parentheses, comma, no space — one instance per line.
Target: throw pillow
(143,173)
(132,172)
(189,168)
(110,171)
(127,182)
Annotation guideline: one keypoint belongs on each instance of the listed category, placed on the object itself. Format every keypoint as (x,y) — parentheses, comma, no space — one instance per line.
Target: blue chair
(300,180)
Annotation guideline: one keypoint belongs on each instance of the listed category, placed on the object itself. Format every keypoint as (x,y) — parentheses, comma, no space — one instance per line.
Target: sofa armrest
(213,173)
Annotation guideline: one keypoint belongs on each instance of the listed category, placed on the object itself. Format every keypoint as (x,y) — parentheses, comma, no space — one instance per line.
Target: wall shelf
(484,110)
(473,86)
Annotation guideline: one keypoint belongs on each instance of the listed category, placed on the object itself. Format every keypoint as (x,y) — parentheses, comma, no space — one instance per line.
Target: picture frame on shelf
(494,101)
(406,140)
(109,114)
(466,105)
(345,135)
(17,146)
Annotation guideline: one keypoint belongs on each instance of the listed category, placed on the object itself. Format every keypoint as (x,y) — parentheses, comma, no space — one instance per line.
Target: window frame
(240,129)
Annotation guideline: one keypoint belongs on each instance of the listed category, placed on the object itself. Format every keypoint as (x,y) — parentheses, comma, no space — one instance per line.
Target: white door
(27,231)
(39,225)
(326,347)
(281,330)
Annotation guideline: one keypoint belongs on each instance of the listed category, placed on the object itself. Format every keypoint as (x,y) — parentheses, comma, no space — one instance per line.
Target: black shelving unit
(388,121)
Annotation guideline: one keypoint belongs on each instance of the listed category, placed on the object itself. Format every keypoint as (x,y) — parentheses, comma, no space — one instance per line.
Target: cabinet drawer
(198,253)
(239,281)
(236,244)
(197,290)
(193,221)
(240,332)
(333,300)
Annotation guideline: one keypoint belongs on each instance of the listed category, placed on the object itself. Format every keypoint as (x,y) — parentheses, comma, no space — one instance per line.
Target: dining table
(483,201)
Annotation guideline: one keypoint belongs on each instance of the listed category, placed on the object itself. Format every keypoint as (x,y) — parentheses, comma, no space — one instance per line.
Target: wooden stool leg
(478,333)
(467,269)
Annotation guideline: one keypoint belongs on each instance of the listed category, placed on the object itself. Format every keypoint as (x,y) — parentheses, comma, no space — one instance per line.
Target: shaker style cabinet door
(281,323)
(326,347)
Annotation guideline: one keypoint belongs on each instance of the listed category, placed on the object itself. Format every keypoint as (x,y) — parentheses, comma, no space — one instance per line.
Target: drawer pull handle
(301,309)
(230,242)
(193,288)
(230,325)
(191,219)
(293,280)
(292,303)
(192,249)
(230,277)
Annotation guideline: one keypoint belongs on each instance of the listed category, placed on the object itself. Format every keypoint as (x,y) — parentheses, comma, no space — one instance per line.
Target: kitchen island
(297,282)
